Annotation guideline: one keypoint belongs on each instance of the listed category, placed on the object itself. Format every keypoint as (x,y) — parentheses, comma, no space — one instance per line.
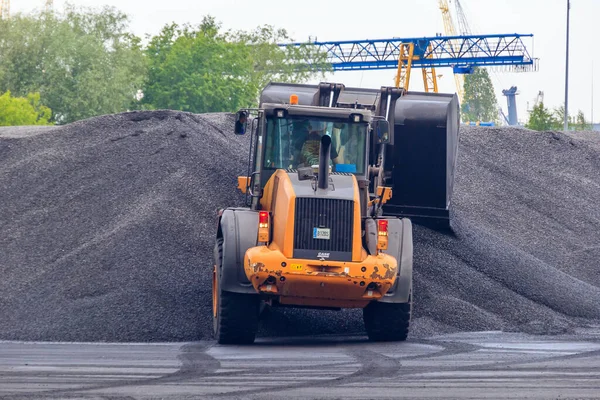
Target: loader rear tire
(387,322)
(235,315)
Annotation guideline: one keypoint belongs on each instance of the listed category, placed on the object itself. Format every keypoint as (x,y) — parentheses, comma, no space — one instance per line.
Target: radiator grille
(335,214)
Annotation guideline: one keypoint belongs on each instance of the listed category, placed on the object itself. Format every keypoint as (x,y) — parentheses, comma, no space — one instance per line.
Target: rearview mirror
(381,129)
(241,118)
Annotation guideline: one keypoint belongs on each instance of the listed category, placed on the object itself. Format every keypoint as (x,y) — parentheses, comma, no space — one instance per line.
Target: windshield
(294,142)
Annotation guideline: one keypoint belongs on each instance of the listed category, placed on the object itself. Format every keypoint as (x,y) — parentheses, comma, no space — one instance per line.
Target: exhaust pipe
(324,155)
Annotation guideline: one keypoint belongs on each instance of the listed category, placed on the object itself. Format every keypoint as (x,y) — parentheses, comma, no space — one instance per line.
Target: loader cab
(290,135)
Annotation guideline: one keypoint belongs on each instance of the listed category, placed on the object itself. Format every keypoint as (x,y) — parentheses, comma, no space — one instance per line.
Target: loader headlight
(280,113)
(355,117)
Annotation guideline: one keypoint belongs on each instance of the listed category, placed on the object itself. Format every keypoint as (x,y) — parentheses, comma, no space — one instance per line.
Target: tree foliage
(82,62)
(205,70)
(479,102)
(542,119)
(559,114)
(270,62)
(576,122)
(580,122)
(23,111)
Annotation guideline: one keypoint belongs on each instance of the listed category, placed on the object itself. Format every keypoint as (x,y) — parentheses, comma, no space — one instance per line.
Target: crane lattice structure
(4,9)
(461,53)
(463,24)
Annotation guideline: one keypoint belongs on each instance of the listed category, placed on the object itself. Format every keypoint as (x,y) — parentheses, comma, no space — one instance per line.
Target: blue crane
(512,105)
(461,53)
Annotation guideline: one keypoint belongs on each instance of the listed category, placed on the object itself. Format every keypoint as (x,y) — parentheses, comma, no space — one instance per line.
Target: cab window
(291,143)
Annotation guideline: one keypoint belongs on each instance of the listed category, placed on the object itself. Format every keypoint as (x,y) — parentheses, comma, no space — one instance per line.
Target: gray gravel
(107,230)
(108,226)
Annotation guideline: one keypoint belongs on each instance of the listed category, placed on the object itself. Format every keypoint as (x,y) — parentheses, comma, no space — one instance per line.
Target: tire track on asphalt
(369,361)
(376,365)
(194,362)
(371,364)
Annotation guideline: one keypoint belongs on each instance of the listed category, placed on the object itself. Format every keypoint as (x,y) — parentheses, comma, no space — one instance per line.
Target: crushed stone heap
(107,232)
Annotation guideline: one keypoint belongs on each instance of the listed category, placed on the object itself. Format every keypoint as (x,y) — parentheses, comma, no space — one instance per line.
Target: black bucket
(422,162)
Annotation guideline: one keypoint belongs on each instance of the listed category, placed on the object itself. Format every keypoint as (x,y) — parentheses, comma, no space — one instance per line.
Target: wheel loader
(336,178)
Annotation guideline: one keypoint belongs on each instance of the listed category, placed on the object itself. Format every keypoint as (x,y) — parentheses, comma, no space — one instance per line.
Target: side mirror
(241,118)
(381,129)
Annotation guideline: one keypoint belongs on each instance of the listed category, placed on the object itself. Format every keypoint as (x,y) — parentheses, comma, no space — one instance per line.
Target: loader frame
(248,267)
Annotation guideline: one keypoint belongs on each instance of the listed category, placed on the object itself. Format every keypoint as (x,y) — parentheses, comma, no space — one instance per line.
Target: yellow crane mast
(450,30)
(405,59)
(407,55)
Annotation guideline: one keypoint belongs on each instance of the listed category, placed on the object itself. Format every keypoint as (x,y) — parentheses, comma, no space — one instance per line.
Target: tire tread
(386,322)
(237,314)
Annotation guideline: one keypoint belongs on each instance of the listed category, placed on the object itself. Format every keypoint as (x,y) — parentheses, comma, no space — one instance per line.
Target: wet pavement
(466,365)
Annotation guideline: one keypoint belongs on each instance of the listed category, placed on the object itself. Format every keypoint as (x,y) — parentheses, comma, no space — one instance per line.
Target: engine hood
(341,186)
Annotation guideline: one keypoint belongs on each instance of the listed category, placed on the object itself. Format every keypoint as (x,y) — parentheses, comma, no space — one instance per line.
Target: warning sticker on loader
(296,267)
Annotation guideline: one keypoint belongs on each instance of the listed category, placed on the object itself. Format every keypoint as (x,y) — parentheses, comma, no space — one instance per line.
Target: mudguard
(238,227)
(400,245)
(371,236)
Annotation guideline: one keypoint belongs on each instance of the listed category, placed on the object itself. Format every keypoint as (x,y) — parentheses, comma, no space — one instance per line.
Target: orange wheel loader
(321,229)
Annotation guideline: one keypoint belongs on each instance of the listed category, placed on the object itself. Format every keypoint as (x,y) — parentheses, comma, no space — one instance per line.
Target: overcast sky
(339,20)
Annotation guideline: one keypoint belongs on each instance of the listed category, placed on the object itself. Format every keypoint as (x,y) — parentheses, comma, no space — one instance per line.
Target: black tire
(387,322)
(235,315)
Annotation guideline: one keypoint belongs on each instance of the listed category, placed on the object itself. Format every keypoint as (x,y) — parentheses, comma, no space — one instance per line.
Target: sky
(351,19)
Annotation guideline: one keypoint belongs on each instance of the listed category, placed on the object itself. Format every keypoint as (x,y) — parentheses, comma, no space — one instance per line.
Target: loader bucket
(421,164)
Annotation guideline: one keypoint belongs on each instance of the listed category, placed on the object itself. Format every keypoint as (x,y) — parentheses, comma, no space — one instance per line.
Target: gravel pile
(107,227)
(525,254)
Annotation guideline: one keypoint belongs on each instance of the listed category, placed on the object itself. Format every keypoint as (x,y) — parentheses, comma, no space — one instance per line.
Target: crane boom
(463,24)
(450,30)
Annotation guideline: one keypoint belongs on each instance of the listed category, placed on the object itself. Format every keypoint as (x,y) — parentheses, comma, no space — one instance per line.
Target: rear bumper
(319,283)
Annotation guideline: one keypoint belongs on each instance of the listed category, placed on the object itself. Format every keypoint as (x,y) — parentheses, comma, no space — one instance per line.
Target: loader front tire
(387,322)
(235,315)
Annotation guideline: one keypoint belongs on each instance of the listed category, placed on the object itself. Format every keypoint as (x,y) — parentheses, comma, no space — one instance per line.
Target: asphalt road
(468,365)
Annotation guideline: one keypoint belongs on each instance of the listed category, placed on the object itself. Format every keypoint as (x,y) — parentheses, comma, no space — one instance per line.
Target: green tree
(577,122)
(541,119)
(196,70)
(291,64)
(23,111)
(559,118)
(479,102)
(580,123)
(82,62)
(203,70)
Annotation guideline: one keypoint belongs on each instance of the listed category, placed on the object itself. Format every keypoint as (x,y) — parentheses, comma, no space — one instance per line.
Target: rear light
(382,225)
(382,234)
(263,226)
(263,219)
